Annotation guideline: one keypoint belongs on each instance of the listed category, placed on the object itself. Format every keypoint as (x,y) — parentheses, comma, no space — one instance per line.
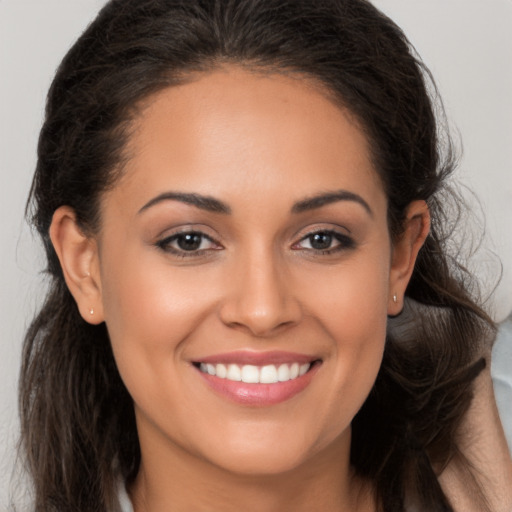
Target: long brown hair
(78,427)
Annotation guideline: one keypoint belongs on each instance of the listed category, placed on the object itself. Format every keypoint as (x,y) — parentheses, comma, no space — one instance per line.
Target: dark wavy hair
(78,427)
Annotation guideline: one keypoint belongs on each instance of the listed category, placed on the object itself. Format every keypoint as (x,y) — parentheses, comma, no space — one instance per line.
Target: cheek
(149,302)
(358,316)
(351,301)
(351,307)
(149,313)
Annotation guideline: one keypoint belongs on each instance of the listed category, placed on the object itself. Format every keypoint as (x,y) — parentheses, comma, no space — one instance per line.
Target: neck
(171,478)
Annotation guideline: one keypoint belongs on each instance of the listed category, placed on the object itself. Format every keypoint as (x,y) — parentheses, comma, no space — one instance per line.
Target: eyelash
(344,243)
(165,244)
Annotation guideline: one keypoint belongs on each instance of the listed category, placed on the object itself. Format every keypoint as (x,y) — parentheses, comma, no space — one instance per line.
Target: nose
(260,298)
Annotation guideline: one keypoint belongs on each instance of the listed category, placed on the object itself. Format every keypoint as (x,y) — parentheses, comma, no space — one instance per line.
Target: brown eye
(188,243)
(321,241)
(325,242)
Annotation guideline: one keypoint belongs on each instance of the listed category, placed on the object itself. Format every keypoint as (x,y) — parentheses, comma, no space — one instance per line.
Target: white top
(124,499)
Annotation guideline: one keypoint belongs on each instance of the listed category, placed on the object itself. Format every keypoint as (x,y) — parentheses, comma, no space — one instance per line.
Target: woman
(237,199)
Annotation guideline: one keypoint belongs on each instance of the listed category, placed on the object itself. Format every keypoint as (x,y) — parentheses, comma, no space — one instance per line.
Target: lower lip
(259,394)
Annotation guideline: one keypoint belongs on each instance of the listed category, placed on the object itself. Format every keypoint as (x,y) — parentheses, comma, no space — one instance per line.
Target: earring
(91,311)
(395,298)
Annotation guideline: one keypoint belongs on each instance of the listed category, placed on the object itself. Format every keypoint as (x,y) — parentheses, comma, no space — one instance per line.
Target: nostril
(260,301)
(259,322)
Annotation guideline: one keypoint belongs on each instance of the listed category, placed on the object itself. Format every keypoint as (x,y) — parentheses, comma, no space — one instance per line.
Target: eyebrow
(323,199)
(207,203)
(214,205)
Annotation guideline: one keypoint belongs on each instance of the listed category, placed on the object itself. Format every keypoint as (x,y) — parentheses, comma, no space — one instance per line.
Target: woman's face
(248,239)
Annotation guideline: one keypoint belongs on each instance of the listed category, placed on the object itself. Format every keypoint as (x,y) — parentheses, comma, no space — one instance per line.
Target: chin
(262,463)
(272,455)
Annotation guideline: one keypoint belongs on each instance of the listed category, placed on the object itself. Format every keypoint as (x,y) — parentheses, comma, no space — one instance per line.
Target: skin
(260,144)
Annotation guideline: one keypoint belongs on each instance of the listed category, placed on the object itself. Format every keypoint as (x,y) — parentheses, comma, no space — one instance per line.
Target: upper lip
(255,358)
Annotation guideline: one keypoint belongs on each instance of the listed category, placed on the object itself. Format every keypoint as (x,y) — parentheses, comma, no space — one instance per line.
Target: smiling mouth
(258,380)
(251,374)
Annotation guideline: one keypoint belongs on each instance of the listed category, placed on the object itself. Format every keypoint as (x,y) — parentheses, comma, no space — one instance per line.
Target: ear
(78,256)
(405,251)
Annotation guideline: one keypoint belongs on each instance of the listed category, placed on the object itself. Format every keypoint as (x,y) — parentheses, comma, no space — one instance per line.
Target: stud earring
(395,298)
(91,311)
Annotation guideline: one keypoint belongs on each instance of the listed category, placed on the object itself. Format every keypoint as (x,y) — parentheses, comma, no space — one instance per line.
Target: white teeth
(268,374)
(283,373)
(248,373)
(303,369)
(234,372)
(221,371)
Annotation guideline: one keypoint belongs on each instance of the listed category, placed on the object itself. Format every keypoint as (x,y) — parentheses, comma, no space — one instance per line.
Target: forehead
(233,131)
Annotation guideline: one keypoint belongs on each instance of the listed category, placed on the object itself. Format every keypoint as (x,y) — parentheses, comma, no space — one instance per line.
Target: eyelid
(321,227)
(340,234)
(345,241)
(164,242)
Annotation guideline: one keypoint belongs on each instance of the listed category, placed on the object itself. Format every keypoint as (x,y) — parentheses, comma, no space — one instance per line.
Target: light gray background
(466,43)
